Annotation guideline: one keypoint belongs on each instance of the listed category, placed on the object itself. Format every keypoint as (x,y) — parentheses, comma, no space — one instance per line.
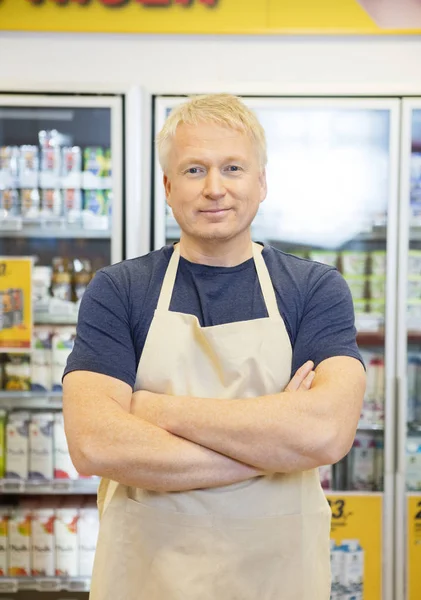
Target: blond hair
(221,109)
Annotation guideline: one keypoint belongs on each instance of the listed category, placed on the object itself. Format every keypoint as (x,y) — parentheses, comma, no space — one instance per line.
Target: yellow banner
(357,530)
(414,547)
(15,304)
(214,16)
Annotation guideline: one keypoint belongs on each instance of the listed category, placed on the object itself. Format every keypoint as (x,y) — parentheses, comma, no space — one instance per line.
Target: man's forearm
(284,432)
(122,447)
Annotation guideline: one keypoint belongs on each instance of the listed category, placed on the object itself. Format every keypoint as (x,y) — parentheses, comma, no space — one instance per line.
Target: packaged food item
(3,416)
(326,477)
(51,203)
(62,345)
(93,160)
(61,280)
(20,543)
(108,195)
(28,166)
(413,315)
(354,263)
(377,287)
(41,363)
(41,285)
(4,540)
(63,466)
(17,445)
(66,542)
(107,169)
(378,260)
(357,285)
(50,163)
(6,313)
(72,204)
(30,203)
(88,527)
(17,306)
(9,166)
(94,202)
(414,287)
(326,257)
(378,416)
(71,160)
(82,275)
(9,203)
(379,464)
(413,463)
(43,545)
(362,462)
(414,262)
(17,373)
(352,578)
(368,409)
(335,567)
(41,452)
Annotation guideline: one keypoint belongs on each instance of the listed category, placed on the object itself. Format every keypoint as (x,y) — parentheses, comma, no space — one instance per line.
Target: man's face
(214,183)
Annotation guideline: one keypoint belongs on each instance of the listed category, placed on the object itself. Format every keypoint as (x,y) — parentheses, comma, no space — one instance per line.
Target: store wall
(261,65)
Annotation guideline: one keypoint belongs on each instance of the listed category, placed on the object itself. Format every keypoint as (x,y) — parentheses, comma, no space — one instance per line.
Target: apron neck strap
(262,274)
(265,282)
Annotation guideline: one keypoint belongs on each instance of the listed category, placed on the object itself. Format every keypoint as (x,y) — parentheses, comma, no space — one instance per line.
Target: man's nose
(214,185)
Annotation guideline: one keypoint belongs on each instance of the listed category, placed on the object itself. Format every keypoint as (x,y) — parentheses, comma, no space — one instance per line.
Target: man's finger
(300,376)
(306,385)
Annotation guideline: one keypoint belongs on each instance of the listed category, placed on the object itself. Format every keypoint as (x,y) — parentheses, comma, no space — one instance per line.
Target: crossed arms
(170,443)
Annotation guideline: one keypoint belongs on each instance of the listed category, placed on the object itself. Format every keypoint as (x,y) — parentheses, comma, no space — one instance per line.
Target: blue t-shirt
(117,308)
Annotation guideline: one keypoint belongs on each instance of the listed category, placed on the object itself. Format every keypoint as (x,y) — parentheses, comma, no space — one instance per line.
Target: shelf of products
(43,229)
(30,400)
(56,486)
(12,585)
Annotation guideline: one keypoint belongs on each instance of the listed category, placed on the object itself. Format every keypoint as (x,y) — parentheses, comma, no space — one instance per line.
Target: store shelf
(54,319)
(371,428)
(30,400)
(58,228)
(57,486)
(376,338)
(10,585)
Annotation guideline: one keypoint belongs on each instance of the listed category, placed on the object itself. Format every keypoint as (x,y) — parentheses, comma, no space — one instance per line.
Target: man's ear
(167,186)
(263,185)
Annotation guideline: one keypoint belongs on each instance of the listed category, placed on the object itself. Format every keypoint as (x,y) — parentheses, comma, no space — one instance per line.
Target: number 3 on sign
(337,507)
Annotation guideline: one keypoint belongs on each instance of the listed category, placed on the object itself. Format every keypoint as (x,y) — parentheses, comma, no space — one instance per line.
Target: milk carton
(20,543)
(352,577)
(2,442)
(17,446)
(413,463)
(63,466)
(336,569)
(43,546)
(66,542)
(362,462)
(4,540)
(62,345)
(88,528)
(41,360)
(41,446)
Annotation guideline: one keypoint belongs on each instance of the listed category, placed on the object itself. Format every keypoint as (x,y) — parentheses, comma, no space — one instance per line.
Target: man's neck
(216,253)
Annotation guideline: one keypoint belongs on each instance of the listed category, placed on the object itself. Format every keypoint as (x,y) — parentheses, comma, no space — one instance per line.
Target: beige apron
(264,539)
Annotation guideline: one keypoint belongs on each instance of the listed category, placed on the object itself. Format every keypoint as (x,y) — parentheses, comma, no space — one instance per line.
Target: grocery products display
(347,566)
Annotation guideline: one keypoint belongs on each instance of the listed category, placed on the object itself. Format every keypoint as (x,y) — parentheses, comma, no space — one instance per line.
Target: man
(211,489)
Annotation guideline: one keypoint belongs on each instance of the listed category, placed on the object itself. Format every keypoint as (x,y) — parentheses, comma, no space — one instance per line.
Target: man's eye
(193,170)
(233,168)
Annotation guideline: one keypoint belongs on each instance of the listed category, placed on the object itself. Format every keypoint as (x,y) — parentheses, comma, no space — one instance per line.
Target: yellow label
(15,304)
(414,547)
(360,518)
(211,16)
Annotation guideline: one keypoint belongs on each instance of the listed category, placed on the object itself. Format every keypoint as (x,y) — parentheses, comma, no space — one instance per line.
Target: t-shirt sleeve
(104,342)
(327,328)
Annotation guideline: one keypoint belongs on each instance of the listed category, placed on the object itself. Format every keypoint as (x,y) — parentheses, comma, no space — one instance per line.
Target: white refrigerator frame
(114,103)
(393,105)
(401,494)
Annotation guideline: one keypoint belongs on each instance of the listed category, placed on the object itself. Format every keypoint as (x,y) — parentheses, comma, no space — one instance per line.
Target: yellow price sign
(414,547)
(359,518)
(15,304)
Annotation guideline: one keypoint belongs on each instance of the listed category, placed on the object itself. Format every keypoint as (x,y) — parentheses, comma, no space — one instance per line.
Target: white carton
(43,546)
(66,542)
(62,345)
(20,543)
(336,568)
(362,462)
(88,528)
(41,446)
(352,577)
(4,540)
(413,463)
(17,446)
(63,466)
(41,360)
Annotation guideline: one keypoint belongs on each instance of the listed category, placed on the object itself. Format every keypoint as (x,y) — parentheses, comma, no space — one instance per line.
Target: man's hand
(302,379)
